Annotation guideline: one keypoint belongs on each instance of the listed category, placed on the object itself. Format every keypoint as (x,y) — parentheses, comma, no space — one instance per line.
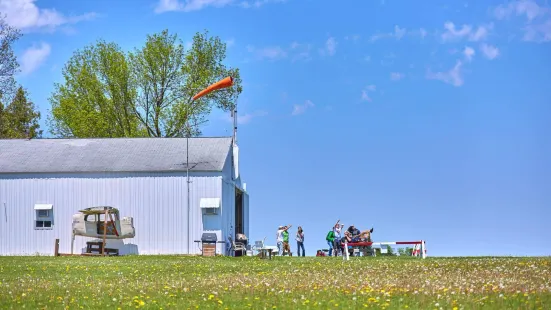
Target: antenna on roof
(234,115)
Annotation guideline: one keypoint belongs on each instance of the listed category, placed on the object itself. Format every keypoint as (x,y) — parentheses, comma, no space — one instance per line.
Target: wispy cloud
(527,8)
(396,76)
(540,32)
(301,108)
(366,91)
(33,57)
(300,51)
(25,15)
(164,6)
(230,42)
(398,33)
(258,3)
(247,117)
(453,33)
(330,47)
(270,52)
(452,76)
(296,51)
(489,51)
(469,53)
(354,37)
(537,18)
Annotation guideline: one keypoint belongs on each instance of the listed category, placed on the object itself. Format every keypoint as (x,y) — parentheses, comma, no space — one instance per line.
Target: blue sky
(425,120)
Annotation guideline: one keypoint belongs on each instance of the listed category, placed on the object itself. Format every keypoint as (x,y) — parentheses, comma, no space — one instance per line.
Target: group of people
(282,238)
(334,238)
(351,235)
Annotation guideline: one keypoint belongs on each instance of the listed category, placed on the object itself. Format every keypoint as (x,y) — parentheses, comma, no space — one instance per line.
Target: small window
(44,216)
(43,224)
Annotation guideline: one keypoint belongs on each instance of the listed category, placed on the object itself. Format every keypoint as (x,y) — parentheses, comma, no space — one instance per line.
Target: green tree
(97,97)
(405,251)
(147,92)
(8,61)
(2,121)
(20,119)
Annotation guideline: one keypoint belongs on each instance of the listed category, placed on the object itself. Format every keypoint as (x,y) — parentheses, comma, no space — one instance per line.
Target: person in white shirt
(300,241)
(337,241)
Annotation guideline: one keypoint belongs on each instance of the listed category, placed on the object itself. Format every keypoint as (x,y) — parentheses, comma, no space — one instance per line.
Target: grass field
(163,282)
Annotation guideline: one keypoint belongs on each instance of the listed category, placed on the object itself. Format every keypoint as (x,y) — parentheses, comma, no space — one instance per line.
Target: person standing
(282,237)
(329,238)
(286,246)
(279,240)
(300,241)
(337,238)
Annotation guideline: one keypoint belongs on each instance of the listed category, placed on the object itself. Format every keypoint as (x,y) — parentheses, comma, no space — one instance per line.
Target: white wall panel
(156,201)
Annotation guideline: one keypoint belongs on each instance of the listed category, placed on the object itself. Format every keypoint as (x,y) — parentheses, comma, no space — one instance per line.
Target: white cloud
(537,17)
(480,34)
(296,51)
(365,92)
(188,5)
(270,52)
(423,33)
(398,34)
(300,51)
(25,15)
(330,47)
(196,5)
(230,42)
(248,117)
(245,118)
(452,33)
(538,32)
(301,108)
(33,57)
(527,8)
(354,37)
(365,96)
(396,76)
(489,51)
(469,53)
(258,3)
(453,76)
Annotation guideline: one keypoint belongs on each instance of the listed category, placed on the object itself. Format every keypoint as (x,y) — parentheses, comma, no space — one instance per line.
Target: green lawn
(163,282)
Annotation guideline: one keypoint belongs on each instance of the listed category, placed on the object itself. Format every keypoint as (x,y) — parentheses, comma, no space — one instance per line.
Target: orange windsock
(227,82)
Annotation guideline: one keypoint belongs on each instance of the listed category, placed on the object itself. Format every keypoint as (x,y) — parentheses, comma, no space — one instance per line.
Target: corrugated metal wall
(156,201)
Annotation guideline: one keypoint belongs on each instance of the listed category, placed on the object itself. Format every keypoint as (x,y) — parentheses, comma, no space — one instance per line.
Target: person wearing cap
(279,238)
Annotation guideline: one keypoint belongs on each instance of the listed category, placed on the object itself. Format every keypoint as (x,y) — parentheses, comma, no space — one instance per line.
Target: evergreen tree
(19,118)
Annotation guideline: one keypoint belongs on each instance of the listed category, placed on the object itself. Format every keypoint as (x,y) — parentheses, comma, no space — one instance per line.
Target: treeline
(18,116)
(107,92)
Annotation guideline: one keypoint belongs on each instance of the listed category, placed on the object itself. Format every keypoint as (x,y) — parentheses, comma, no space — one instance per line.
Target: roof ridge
(117,138)
(113,154)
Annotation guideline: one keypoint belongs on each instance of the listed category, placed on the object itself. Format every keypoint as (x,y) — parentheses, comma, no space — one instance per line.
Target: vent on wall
(210,205)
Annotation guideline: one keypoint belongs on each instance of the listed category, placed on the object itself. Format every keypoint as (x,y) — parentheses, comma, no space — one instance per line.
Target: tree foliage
(146,92)
(97,97)
(8,61)
(19,119)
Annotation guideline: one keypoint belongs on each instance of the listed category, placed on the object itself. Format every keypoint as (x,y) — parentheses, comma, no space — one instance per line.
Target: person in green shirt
(286,246)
